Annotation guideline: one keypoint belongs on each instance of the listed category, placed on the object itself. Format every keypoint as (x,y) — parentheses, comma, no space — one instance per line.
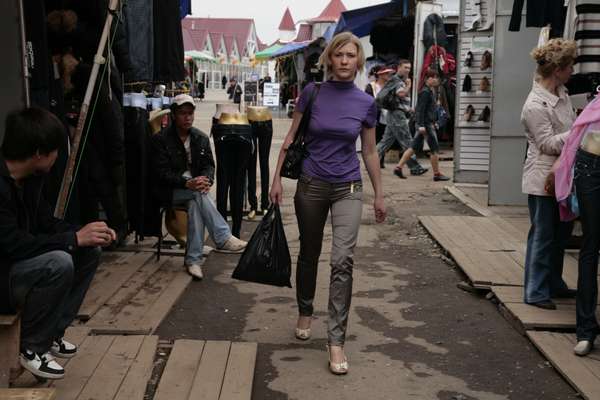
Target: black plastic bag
(267,256)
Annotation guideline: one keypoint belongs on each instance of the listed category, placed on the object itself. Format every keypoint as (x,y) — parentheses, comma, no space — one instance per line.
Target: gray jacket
(548,120)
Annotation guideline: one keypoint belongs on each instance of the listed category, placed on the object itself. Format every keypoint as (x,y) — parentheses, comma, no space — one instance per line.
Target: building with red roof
(287,27)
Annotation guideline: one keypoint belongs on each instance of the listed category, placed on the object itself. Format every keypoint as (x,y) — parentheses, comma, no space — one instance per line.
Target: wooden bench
(10,331)
(27,394)
(211,370)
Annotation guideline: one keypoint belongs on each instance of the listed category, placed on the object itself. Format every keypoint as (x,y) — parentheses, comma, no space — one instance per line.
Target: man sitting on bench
(46,264)
(185,170)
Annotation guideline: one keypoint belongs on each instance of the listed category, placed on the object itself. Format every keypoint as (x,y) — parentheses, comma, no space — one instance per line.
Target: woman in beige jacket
(547,116)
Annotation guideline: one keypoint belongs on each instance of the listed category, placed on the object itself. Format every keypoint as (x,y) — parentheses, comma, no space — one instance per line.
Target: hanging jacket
(434,32)
(564,171)
(539,14)
(437,55)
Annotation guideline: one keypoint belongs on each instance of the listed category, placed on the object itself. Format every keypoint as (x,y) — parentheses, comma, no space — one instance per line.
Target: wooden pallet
(211,370)
(114,271)
(27,394)
(109,367)
(583,373)
(527,317)
(140,305)
(489,250)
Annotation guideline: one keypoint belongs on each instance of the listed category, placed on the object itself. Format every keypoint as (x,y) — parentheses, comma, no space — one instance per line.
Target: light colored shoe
(233,246)
(337,369)
(41,365)
(583,347)
(195,270)
(303,334)
(63,349)
(251,215)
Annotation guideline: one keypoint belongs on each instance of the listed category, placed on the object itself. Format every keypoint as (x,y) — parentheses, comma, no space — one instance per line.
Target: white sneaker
(63,349)
(233,245)
(41,365)
(195,270)
(583,348)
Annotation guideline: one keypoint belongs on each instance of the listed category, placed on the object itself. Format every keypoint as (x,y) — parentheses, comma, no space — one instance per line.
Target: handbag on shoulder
(297,152)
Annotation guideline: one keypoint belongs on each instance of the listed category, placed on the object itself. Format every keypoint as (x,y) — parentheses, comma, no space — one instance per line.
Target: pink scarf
(564,171)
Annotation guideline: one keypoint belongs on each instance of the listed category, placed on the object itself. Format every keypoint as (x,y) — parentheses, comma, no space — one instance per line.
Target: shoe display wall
(474,99)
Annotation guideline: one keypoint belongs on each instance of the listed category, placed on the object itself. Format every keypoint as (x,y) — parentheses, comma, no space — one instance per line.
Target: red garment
(446,61)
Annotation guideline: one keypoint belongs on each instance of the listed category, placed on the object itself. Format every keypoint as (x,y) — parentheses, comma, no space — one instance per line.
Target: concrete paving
(412,334)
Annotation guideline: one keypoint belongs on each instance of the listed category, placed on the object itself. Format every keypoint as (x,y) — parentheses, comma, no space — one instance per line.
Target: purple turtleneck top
(339,113)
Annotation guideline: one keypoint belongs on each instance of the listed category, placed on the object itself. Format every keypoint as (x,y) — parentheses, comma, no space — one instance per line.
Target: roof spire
(287,22)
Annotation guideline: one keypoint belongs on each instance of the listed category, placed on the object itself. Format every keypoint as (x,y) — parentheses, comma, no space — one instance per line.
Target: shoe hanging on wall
(485,115)
(469,112)
(484,84)
(467,84)
(486,60)
(469,59)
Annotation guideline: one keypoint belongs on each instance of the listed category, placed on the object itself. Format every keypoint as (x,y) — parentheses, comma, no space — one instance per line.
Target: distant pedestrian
(224,81)
(548,117)
(235,91)
(200,90)
(426,127)
(393,98)
(331,181)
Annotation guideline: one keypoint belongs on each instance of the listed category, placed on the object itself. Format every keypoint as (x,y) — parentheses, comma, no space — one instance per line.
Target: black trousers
(587,184)
(262,134)
(233,148)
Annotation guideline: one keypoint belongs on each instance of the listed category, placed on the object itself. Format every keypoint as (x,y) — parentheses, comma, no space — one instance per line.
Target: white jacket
(547,119)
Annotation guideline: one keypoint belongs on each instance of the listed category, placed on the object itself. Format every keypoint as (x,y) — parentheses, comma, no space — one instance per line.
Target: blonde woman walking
(331,185)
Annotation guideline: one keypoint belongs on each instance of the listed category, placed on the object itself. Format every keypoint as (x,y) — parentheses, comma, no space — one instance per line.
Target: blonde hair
(554,55)
(340,40)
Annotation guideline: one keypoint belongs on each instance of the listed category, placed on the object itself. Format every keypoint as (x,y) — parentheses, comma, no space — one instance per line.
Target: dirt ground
(412,333)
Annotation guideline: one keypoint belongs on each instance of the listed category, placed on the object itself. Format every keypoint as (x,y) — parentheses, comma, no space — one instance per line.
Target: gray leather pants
(313,201)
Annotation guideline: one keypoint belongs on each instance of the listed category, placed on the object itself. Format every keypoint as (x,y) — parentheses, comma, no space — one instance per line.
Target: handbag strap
(305,121)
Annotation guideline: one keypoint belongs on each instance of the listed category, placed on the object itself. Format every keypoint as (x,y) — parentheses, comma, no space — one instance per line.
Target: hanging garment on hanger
(539,14)
(544,36)
(473,9)
(583,26)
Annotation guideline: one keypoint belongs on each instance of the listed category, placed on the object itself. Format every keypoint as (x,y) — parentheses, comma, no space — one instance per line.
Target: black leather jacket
(169,161)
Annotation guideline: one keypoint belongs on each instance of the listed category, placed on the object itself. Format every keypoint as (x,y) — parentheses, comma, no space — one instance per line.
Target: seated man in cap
(184,166)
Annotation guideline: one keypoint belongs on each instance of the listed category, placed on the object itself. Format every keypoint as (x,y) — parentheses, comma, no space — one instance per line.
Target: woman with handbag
(547,117)
(327,122)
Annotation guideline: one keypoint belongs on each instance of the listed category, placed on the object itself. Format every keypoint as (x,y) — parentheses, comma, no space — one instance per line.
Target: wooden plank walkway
(140,305)
(489,250)
(109,367)
(209,370)
(27,394)
(533,318)
(115,269)
(583,373)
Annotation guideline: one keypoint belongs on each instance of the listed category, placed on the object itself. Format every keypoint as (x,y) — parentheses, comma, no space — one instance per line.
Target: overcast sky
(267,14)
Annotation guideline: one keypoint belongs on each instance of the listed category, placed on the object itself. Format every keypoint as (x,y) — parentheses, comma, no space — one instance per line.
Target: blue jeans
(49,289)
(545,250)
(202,213)
(587,184)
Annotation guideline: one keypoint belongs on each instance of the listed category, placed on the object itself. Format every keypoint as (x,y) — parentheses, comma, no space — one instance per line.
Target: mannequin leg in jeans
(251,174)
(587,184)
(265,138)
(234,157)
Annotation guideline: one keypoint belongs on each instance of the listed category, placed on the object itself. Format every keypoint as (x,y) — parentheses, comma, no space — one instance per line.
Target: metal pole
(99,59)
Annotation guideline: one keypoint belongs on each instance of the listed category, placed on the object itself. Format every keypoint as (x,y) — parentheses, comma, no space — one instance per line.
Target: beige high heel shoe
(303,334)
(337,369)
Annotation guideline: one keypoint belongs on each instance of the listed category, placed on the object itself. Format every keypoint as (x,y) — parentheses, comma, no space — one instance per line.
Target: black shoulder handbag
(297,152)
